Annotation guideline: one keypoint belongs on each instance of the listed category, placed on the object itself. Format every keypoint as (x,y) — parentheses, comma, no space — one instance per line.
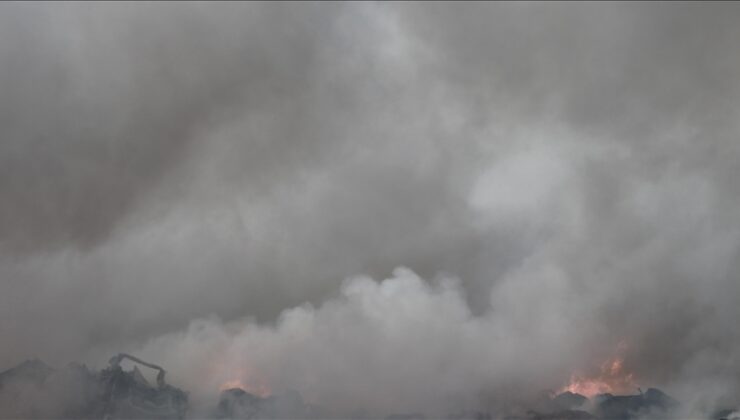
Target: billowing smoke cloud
(201,184)
(418,339)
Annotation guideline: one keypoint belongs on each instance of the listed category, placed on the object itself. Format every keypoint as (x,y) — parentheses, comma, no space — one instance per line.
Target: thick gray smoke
(386,207)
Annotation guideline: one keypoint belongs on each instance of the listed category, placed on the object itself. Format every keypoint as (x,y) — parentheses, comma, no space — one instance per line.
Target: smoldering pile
(35,390)
(651,404)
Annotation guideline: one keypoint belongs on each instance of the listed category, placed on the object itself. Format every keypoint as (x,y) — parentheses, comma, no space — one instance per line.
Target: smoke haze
(387,207)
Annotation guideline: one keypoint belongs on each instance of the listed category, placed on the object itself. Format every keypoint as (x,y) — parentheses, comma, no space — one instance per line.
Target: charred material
(653,404)
(569,401)
(236,403)
(561,415)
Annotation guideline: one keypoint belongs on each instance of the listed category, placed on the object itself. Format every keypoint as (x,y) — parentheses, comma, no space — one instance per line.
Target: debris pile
(35,390)
(236,403)
(653,404)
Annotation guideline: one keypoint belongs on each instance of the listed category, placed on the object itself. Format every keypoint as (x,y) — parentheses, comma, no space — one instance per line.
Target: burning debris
(36,390)
(568,400)
(236,403)
(653,404)
(611,377)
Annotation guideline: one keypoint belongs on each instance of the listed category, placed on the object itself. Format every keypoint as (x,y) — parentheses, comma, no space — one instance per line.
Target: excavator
(129,395)
(116,360)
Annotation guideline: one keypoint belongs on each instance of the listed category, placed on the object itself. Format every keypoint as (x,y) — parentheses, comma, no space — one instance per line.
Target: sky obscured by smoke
(383,206)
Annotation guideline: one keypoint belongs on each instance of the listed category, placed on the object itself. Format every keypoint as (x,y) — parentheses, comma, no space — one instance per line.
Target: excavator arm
(115,361)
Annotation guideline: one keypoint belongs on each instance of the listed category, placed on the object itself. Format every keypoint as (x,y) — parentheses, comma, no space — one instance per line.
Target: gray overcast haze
(386,206)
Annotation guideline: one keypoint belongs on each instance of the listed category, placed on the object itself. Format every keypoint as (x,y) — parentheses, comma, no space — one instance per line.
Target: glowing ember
(258,388)
(239,376)
(611,378)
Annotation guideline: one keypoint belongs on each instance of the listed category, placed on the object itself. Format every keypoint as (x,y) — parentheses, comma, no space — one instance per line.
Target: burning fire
(242,377)
(260,389)
(611,378)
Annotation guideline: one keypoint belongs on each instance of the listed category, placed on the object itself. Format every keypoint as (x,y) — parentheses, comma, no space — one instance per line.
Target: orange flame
(611,378)
(254,387)
(239,376)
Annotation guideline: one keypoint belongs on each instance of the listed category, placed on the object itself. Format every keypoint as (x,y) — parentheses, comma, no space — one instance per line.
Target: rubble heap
(653,404)
(236,403)
(35,390)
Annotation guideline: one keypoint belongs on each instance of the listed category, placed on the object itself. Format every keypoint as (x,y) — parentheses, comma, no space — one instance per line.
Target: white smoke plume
(229,189)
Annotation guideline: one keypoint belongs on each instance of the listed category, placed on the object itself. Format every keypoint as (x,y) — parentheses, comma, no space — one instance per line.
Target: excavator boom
(116,360)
